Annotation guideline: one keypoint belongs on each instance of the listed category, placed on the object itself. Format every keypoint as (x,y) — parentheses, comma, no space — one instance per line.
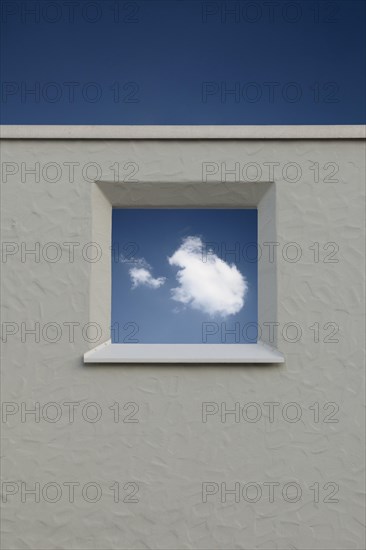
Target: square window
(181,282)
(184,276)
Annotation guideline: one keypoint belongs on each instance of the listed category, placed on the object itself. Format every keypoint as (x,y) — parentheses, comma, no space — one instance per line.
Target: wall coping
(182,132)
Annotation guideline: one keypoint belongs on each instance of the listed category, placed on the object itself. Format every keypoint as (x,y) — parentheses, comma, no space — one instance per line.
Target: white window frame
(107,195)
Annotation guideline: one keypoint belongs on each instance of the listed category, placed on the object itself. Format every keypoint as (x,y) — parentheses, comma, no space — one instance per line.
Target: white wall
(170,452)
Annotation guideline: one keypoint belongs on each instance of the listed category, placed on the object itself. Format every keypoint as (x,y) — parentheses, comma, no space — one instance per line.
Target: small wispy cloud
(140,273)
(141,276)
(214,287)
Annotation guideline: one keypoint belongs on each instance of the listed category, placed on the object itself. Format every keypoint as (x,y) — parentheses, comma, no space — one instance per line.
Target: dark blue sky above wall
(183,62)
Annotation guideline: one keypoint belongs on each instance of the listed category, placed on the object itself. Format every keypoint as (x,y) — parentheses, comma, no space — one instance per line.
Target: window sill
(183,353)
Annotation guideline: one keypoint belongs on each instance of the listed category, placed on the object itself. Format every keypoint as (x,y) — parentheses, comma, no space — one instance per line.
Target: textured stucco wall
(170,452)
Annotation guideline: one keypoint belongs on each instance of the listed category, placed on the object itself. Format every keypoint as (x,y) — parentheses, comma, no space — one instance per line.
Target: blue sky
(184,276)
(175,62)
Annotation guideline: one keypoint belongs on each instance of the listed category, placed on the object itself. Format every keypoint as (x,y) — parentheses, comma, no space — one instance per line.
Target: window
(182,283)
(184,276)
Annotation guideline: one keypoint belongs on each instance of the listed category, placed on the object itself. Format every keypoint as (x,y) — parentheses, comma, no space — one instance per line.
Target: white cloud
(141,273)
(141,276)
(214,286)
